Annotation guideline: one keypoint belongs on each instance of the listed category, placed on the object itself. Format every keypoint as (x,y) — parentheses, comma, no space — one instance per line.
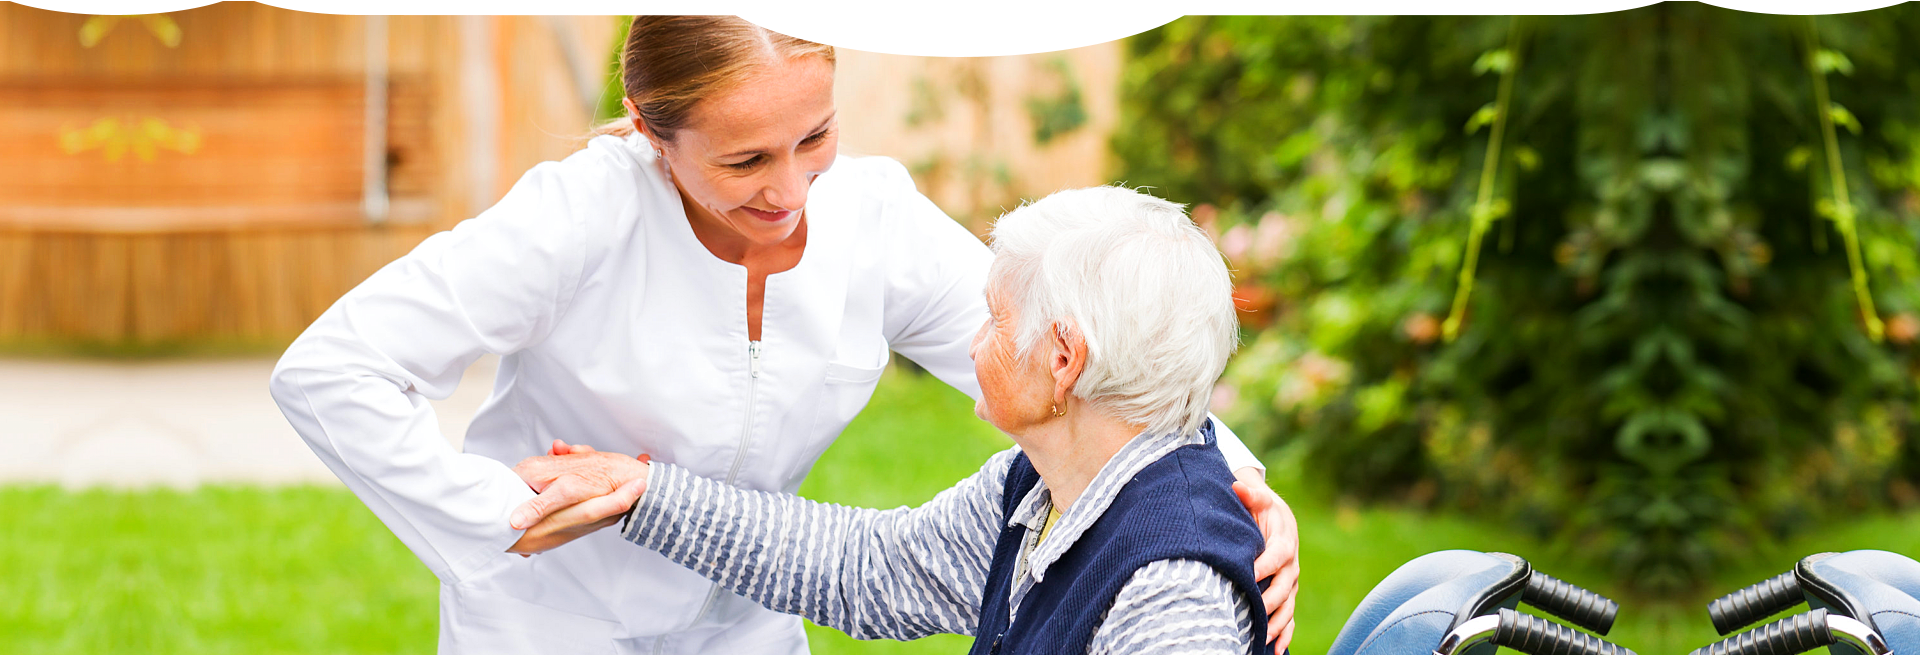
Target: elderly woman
(1110,528)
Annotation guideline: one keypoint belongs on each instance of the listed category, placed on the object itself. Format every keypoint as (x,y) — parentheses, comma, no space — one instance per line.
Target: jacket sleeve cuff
(497,543)
(661,502)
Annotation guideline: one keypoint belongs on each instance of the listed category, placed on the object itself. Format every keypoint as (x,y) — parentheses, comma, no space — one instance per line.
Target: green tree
(615,93)
(1673,346)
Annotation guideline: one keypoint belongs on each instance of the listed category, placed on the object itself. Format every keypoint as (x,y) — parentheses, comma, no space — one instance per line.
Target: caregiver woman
(698,287)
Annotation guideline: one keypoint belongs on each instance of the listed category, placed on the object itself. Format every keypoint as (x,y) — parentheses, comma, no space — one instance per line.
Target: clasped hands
(581,490)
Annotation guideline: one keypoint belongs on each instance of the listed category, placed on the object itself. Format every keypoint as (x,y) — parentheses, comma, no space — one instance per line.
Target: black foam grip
(1789,636)
(1765,598)
(1537,636)
(1572,604)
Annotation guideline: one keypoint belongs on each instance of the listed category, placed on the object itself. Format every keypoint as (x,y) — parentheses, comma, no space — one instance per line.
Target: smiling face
(748,155)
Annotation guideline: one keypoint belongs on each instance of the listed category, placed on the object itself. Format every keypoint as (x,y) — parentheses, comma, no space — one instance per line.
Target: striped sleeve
(1176,607)
(902,573)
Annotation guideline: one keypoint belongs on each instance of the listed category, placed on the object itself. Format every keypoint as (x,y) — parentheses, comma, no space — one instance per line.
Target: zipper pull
(753,358)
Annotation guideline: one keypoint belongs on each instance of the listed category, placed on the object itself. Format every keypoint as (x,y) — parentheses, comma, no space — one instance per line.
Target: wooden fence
(202,176)
(248,285)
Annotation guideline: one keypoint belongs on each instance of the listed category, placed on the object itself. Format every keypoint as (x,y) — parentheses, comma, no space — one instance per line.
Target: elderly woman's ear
(1068,362)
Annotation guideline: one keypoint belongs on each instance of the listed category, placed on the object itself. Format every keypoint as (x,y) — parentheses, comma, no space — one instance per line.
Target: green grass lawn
(309,570)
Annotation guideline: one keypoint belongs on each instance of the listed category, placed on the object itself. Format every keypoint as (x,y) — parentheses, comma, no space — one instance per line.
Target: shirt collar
(1031,513)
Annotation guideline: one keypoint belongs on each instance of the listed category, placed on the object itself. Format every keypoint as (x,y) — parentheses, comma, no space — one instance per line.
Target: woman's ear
(633,114)
(1069,360)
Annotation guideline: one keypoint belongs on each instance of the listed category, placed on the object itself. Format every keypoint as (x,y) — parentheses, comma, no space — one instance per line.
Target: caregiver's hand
(1281,559)
(581,491)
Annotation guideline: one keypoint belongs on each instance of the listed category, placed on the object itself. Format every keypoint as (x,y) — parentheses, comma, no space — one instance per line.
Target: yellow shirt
(1053,516)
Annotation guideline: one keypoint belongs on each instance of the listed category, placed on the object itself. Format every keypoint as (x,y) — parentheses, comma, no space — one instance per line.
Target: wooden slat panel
(279,270)
(150,292)
(16,261)
(249,285)
(219,264)
(276,142)
(413,169)
(248,288)
(224,38)
(163,220)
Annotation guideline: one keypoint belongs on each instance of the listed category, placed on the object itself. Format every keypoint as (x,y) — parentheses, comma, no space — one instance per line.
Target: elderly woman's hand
(580,491)
(1280,560)
(579,520)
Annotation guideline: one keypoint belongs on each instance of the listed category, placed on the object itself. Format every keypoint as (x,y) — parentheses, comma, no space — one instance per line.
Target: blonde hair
(671,63)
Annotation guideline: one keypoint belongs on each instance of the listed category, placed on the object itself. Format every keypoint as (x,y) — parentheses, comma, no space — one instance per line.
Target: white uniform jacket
(616,328)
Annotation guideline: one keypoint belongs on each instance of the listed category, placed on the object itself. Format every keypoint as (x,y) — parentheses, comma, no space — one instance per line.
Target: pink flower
(1234,243)
(1224,396)
(1422,328)
(1903,328)
(1207,217)
(1270,239)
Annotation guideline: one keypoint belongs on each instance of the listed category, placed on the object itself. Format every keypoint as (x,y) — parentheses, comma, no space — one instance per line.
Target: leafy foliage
(615,93)
(1663,359)
(1060,113)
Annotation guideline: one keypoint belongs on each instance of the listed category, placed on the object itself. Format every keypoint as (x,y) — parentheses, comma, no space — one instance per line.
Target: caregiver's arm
(902,573)
(355,385)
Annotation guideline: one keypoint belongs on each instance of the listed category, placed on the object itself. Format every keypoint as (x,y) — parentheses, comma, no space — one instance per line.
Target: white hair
(1139,282)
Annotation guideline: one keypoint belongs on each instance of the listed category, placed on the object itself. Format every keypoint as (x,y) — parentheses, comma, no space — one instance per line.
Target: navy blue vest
(1180,507)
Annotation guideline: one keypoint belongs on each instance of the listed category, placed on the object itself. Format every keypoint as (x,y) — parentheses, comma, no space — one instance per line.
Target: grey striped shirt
(906,573)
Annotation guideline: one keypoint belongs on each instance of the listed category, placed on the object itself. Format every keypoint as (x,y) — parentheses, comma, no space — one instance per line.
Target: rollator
(1463,602)
(1862,602)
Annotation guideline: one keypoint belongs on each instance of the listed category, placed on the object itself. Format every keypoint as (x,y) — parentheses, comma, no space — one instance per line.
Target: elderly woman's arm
(906,573)
(1175,607)
(901,573)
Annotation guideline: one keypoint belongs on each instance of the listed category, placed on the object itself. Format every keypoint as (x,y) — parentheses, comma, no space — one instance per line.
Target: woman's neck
(1069,451)
(760,261)
(729,246)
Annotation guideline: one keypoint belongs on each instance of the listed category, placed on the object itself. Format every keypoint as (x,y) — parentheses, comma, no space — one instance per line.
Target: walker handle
(1573,604)
(1789,636)
(1761,600)
(1537,636)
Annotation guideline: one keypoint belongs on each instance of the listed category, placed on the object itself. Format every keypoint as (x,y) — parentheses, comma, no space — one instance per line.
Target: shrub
(1663,359)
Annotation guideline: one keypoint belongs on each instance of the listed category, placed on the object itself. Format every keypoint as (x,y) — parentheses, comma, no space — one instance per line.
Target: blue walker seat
(1428,597)
(1463,602)
(1875,587)
(1863,602)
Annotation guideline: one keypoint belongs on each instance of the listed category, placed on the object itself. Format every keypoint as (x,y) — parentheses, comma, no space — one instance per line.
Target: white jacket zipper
(739,456)
(746,429)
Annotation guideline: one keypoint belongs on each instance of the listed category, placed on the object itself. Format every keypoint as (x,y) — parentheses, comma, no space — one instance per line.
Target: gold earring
(1057,412)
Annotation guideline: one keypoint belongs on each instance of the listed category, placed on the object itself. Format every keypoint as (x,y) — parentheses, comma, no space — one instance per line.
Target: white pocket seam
(844,374)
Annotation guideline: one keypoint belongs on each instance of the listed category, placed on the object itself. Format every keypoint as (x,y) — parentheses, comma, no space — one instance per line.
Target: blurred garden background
(1633,295)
